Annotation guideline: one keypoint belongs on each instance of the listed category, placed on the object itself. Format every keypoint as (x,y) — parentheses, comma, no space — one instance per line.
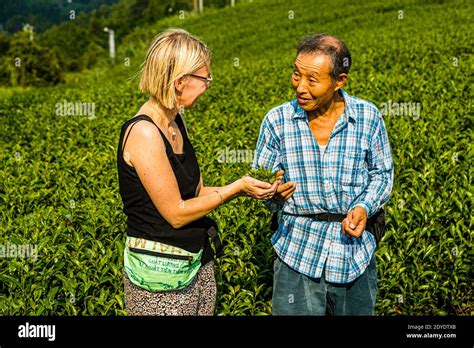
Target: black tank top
(143,219)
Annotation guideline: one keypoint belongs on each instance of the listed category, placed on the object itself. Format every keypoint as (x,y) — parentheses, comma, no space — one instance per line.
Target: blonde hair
(172,54)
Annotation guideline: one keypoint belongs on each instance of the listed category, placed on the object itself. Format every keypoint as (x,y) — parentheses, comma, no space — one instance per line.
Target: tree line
(62,36)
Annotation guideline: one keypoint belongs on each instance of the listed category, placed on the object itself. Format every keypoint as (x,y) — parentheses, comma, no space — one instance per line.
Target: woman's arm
(205,190)
(148,156)
(282,190)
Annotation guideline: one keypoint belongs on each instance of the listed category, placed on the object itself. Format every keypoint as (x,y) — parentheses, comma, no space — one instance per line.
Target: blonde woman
(168,254)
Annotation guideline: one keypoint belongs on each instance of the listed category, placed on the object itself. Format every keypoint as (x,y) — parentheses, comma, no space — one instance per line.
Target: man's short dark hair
(333,47)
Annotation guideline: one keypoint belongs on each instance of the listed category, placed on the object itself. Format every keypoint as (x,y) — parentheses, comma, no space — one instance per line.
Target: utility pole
(198,6)
(111,42)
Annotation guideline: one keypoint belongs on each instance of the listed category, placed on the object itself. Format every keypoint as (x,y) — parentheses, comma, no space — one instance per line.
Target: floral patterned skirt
(198,298)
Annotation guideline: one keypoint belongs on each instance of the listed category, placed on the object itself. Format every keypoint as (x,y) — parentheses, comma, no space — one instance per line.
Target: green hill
(59,187)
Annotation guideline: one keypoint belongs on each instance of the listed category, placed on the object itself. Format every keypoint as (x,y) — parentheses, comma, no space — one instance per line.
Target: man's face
(312,82)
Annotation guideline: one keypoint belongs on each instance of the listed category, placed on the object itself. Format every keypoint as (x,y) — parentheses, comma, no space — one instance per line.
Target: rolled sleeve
(268,155)
(381,171)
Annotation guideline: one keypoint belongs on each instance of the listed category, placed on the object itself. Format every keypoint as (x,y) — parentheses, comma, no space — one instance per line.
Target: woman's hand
(258,189)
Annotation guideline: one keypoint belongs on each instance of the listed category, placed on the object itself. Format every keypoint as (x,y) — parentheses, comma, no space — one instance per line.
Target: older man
(338,168)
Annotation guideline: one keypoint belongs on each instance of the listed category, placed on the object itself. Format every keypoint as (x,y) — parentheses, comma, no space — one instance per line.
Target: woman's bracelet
(222,198)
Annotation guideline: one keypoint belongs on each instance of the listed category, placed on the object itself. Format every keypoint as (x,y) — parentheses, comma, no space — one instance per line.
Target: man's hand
(354,224)
(284,191)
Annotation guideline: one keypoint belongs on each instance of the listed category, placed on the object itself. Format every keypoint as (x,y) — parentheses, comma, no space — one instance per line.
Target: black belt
(375,224)
(326,217)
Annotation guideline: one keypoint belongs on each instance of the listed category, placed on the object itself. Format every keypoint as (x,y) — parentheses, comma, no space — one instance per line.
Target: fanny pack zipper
(169,256)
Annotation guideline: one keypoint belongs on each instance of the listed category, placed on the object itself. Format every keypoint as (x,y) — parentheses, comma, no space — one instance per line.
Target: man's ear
(179,84)
(341,81)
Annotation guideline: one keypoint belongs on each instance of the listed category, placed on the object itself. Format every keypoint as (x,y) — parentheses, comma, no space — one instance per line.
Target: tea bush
(59,187)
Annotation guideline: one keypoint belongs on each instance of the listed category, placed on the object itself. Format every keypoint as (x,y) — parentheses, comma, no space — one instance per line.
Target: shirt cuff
(366,207)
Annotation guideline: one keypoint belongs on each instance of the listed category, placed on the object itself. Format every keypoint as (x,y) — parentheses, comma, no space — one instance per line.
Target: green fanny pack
(155,266)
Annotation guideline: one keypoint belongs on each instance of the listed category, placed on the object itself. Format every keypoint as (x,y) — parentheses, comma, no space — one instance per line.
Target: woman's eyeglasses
(207,80)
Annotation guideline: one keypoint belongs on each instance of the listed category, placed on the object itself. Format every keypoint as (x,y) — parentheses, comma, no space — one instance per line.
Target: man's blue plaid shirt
(356,169)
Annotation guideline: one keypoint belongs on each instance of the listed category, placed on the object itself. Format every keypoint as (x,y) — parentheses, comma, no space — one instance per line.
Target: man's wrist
(363,205)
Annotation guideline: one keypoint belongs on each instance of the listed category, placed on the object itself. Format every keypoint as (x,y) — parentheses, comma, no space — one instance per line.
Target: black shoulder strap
(180,121)
(130,129)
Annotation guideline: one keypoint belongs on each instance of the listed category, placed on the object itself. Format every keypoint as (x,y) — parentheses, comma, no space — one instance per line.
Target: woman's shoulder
(143,132)
(144,127)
